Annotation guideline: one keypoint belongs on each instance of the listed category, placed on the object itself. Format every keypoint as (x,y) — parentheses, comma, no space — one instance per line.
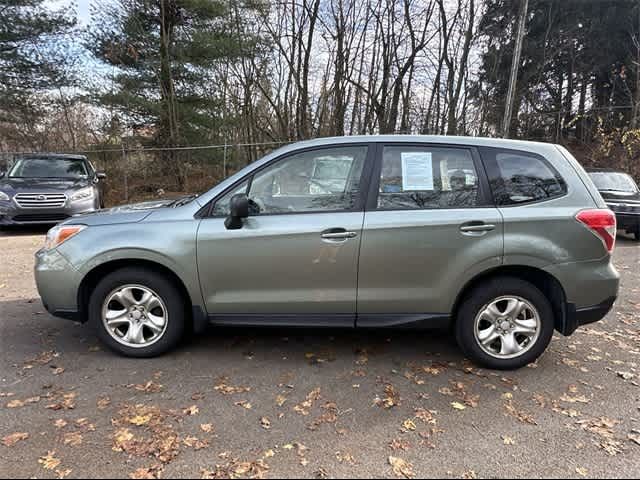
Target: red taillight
(602,222)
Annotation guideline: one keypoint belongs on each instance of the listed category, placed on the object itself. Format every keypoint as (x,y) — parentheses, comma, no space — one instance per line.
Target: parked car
(504,260)
(622,195)
(47,189)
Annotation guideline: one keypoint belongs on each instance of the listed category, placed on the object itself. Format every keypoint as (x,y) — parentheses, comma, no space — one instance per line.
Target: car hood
(42,185)
(622,197)
(123,214)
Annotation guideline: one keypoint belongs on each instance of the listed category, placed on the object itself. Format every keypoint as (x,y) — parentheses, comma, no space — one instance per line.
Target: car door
(429,227)
(295,259)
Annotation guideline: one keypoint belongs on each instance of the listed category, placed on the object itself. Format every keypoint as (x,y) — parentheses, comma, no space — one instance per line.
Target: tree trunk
(515,66)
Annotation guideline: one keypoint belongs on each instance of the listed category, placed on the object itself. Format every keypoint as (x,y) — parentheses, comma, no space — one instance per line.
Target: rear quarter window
(520,177)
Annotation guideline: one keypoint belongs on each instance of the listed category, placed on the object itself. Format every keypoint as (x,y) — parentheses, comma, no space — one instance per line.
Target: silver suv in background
(502,241)
(49,188)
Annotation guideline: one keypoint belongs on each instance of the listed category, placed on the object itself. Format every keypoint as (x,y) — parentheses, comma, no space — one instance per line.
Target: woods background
(173,95)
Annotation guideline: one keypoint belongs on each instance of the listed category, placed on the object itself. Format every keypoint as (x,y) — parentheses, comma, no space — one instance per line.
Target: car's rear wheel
(504,324)
(137,312)
(637,235)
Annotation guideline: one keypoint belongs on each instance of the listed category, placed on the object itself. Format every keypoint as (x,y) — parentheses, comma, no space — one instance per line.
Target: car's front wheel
(505,324)
(137,312)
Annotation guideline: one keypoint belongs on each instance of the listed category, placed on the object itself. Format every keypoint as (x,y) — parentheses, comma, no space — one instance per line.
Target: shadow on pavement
(12,231)
(20,319)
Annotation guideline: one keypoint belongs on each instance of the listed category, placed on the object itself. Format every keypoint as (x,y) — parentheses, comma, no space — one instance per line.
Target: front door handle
(338,234)
(477,227)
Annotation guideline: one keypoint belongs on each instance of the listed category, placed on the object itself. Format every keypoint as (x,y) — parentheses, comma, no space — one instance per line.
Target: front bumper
(58,283)
(12,214)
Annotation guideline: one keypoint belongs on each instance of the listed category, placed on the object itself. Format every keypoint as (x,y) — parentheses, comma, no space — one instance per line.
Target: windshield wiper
(183,201)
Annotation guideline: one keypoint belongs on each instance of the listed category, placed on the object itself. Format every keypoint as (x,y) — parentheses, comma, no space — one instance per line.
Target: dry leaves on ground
(520,415)
(14,438)
(391,398)
(147,473)
(49,461)
(149,387)
(21,403)
(225,389)
(401,468)
(304,407)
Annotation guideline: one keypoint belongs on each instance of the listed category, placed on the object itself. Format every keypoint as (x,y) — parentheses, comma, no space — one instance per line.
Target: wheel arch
(549,285)
(194,314)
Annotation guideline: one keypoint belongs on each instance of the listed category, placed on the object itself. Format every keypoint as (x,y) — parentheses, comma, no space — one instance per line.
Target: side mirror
(101,175)
(2,174)
(239,207)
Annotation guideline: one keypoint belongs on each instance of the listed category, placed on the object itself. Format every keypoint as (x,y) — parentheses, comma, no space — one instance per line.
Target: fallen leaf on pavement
(73,438)
(103,403)
(191,411)
(265,423)
(49,461)
(147,473)
(519,415)
(401,468)
(408,424)
(224,388)
(149,387)
(206,427)
(60,423)
(11,440)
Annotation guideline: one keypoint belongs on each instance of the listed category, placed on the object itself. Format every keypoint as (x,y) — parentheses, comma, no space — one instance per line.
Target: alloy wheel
(135,316)
(507,327)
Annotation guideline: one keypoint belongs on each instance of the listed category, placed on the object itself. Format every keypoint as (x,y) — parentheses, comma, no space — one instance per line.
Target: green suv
(502,241)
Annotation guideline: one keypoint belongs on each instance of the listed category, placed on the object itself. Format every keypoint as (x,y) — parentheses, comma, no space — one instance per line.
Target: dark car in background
(622,195)
(48,189)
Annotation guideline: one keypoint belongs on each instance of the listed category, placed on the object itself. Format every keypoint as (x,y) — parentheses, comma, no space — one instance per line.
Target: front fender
(169,244)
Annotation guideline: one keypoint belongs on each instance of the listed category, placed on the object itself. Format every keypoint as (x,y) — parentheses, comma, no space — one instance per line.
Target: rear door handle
(338,234)
(477,227)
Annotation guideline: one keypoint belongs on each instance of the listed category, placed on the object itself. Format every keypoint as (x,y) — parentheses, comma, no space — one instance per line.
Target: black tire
(163,287)
(483,295)
(637,235)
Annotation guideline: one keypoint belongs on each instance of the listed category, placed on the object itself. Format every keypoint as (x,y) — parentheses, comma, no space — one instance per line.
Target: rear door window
(426,177)
(521,177)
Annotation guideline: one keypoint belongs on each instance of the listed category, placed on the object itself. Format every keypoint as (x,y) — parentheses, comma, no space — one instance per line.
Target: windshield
(49,168)
(619,182)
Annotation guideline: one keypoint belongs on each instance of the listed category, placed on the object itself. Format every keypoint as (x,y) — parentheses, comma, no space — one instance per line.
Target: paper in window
(417,171)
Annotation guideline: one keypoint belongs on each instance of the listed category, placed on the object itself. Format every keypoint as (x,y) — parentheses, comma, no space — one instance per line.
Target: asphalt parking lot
(322,404)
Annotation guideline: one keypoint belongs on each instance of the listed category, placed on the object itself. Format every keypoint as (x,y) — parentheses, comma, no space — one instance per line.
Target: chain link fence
(596,138)
(137,174)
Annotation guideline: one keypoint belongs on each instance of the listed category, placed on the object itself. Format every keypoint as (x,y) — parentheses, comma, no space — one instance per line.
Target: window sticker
(417,171)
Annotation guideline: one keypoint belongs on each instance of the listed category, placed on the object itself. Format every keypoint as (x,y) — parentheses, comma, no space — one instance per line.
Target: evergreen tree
(31,56)
(170,59)
(573,50)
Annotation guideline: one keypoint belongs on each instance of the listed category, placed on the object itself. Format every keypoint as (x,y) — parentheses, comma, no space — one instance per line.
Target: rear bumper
(578,317)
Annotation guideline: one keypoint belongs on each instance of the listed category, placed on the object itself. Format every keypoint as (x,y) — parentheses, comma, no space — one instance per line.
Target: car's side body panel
(417,261)
(280,264)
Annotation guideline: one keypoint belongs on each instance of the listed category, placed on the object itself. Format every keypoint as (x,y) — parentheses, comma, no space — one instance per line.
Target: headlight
(84,194)
(4,196)
(58,235)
